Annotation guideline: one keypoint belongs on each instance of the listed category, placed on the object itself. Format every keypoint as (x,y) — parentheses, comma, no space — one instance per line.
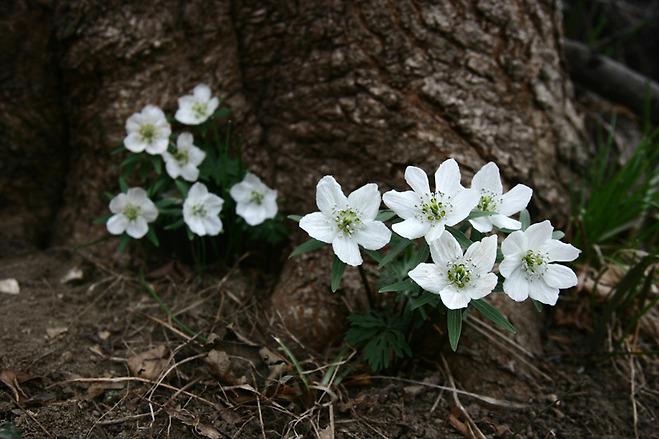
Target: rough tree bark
(355,89)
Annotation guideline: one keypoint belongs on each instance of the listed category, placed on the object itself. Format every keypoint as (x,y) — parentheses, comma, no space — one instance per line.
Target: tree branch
(611,79)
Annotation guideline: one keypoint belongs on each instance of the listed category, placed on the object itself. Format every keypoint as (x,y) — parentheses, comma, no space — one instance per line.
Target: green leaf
(123,242)
(175,225)
(377,257)
(420,255)
(123,185)
(395,251)
(404,285)
(454,326)
(478,213)
(538,305)
(493,314)
(338,268)
(102,220)
(295,218)
(462,239)
(308,246)
(557,234)
(425,298)
(525,219)
(151,234)
(182,187)
(385,215)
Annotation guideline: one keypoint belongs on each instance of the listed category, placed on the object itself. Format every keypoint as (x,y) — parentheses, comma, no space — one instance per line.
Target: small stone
(9,286)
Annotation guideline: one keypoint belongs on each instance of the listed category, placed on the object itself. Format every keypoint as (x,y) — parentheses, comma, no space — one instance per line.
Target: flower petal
(447,178)
(189,173)
(373,236)
(133,143)
(510,263)
(197,190)
(429,277)
(561,251)
(202,92)
(454,298)
(212,224)
(411,228)
(464,201)
(482,223)
(543,293)
(435,230)
(488,178)
(319,227)
(117,224)
(445,249)
(329,195)
(503,222)
(483,253)
(515,243)
(366,200)
(418,180)
(515,199)
(118,203)
(516,286)
(560,276)
(347,250)
(538,234)
(481,287)
(137,228)
(404,204)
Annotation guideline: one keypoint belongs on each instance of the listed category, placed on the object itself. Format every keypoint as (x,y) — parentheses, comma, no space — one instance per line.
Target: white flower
(458,278)
(185,160)
(148,130)
(487,183)
(527,264)
(132,213)
(197,107)
(201,211)
(255,202)
(426,213)
(347,223)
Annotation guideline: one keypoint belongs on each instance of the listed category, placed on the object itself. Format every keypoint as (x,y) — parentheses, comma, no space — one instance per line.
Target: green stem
(367,286)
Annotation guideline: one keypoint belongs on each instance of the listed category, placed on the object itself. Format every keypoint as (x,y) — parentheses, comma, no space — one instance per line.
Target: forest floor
(87,352)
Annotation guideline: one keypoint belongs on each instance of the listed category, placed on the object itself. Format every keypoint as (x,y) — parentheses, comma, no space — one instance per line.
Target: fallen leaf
(13,379)
(53,333)
(149,364)
(220,365)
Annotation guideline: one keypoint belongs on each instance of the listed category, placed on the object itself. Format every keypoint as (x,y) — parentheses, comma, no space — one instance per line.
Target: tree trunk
(356,89)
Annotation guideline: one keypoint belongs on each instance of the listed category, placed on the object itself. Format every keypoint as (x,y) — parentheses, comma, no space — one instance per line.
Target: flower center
(459,275)
(348,221)
(199,210)
(489,202)
(181,157)
(534,263)
(433,210)
(200,109)
(257,198)
(132,212)
(148,132)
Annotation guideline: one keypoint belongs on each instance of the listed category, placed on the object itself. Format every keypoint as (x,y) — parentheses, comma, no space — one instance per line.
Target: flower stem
(367,286)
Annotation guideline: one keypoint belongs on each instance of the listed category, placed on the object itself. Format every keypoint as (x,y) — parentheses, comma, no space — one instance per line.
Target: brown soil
(73,365)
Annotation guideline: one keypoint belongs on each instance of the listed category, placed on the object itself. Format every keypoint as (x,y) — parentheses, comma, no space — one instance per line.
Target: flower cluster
(199,177)
(528,268)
